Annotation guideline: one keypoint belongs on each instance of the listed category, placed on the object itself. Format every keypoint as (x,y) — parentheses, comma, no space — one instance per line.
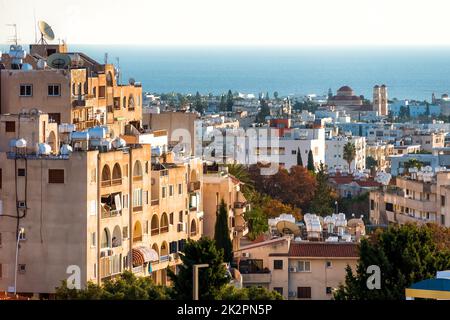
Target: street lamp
(21,232)
(195,278)
(337,209)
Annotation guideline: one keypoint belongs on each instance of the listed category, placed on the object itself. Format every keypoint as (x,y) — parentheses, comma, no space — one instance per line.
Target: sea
(409,72)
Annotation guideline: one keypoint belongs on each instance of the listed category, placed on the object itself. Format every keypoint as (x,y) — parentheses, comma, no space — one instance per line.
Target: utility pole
(195,268)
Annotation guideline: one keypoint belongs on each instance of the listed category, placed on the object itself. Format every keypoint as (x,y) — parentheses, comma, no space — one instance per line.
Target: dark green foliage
(324,197)
(310,165)
(222,233)
(299,158)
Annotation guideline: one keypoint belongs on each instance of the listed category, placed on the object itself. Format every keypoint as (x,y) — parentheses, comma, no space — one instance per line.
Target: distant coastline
(409,72)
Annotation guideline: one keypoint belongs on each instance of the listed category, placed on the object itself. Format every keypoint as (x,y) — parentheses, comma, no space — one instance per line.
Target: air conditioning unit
(246,254)
(21,204)
(292,269)
(291,294)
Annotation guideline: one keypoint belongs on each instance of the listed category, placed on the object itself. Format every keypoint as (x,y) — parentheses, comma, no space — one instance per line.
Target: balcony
(138,269)
(155,231)
(256,278)
(194,186)
(110,266)
(137,239)
(164,229)
(154,202)
(78,101)
(164,258)
(116,182)
(106,213)
(106,183)
(137,178)
(137,209)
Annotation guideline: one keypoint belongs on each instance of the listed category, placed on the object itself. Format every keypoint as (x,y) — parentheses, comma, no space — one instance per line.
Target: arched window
(155,225)
(137,232)
(131,102)
(117,237)
(155,247)
(106,239)
(164,224)
(164,249)
(106,176)
(109,79)
(137,171)
(117,175)
(51,140)
(124,102)
(193,228)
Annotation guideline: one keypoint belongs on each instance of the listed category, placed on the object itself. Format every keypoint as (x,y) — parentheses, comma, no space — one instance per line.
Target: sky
(233,22)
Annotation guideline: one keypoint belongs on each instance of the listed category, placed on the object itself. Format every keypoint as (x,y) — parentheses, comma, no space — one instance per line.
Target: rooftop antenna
(46,32)
(106,57)
(119,76)
(14,39)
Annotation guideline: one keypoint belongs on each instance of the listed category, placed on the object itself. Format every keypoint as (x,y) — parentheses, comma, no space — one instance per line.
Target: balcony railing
(137,239)
(106,213)
(137,209)
(106,183)
(137,178)
(116,182)
(154,202)
(155,231)
(256,278)
(164,258)
(138,269)
(164,229)
(110,266)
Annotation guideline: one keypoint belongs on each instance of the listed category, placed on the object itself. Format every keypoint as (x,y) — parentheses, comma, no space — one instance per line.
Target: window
(304,266)
(180,188)
(304,292)
(171,218)
(0,178)
(389,207)
(146,227)
(163,192)
(125,201)
(292,152)
(26,90)
(22,268)
(145,197)
(93,239)
(278,264)
(10,126)
(442,200)
(180,216)
(54,90)
(21,172)
(55,176)
(125,232)
(279,290)
(372,204)
(102,92)
(137,198)
(329,290)
(170,190)
(54,118)
(329,264)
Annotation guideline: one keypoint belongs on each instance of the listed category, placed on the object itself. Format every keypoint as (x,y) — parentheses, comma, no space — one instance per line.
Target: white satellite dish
(46,31)
(58,61)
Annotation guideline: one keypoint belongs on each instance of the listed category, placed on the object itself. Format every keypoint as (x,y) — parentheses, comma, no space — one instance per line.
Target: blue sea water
(409,72)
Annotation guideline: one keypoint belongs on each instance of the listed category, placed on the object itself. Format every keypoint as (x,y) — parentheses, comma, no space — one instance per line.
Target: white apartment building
(334,153)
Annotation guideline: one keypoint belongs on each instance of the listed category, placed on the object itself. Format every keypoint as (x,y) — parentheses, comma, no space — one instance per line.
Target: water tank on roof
(66,128)
(43,149)
(102,144)
(21,143)
(79,136)
(118,143)
(98,132)
(66,150)
(41,64)
(27,67)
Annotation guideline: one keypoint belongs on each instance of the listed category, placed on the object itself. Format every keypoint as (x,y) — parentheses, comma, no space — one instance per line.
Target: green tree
(412,163)
(275,95)
(252,293)
(241,173)
(263,112)
(405,254)
(125,287)
(299,158)
(349,154)
(222,232)
(230,101)
(310,165)
(211,279)
(222,104)
(257,222)
(371,163)
(324,197)
(199,106)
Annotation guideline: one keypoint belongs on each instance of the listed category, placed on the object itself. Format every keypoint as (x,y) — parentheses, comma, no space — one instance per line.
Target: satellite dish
(58,61)
(131,81)
(46,31)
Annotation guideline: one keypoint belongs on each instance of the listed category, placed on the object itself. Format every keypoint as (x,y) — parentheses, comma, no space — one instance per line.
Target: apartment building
(298,270)
(218,185)
(89,199)
(419,197)
(84,92)
(334,153)
(429,140)
(380,152)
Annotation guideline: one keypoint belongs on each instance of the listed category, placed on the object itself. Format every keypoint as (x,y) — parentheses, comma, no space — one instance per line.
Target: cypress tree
(222,233)
(299,158)
(310,165)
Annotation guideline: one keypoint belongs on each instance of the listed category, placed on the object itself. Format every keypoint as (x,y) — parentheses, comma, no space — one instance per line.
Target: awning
(144,254)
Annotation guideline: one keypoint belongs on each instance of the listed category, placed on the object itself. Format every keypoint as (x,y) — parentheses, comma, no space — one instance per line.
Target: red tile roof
(336,250)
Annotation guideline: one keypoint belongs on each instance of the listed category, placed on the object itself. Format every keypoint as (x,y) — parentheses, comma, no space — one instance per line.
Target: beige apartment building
(417,198)
(217,186)
(429,140)
(82,187)
(85,93)
(298,270)
(380,152)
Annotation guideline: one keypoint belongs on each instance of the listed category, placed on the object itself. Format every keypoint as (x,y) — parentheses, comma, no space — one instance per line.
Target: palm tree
(349,153)
(240,172)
